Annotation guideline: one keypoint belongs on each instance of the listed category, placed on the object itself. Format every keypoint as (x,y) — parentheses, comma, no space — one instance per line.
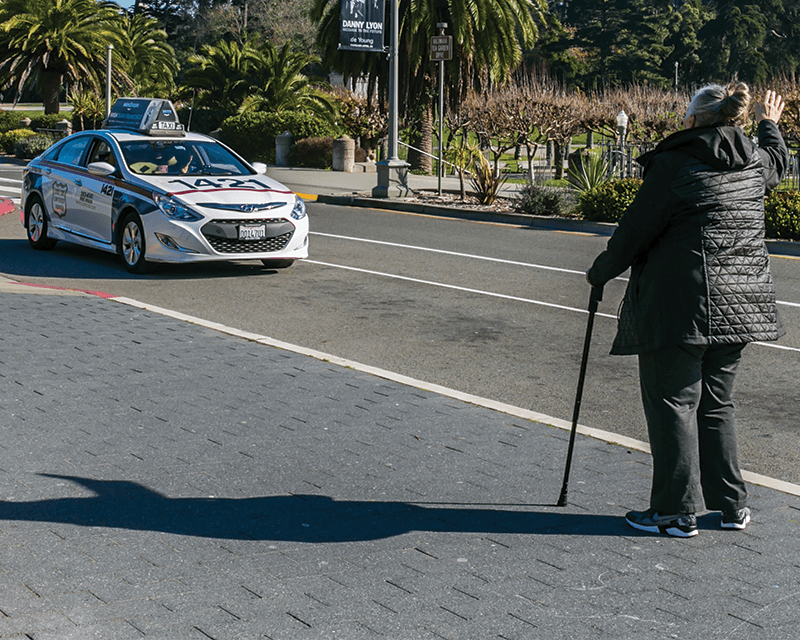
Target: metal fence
(622,164)
(792,179)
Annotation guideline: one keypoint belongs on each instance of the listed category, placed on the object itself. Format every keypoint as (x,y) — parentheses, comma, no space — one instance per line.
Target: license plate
(252,232)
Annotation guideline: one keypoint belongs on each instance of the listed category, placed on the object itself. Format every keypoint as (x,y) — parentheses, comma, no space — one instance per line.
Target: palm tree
(49,40)
(488,39)
(152,66)
(222,75)
(282,86)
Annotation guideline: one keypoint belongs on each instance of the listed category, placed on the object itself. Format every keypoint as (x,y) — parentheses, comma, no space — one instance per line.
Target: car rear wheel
(36,224)
(284,263)
(131,245)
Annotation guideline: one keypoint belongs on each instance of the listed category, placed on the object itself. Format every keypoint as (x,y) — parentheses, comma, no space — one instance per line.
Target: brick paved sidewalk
(159,479)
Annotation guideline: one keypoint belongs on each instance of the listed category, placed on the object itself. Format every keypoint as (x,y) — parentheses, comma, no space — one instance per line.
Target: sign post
(441,50)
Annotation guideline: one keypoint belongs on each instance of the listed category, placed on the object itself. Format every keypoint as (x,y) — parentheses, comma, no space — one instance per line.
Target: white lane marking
(499,295)
(598,434)
(457,288)
(475,257)
(449,253)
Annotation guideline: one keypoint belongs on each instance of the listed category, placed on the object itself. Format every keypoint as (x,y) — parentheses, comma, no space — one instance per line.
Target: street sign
(441,48)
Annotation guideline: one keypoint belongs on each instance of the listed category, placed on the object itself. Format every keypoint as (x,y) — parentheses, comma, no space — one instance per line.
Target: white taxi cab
(144,188)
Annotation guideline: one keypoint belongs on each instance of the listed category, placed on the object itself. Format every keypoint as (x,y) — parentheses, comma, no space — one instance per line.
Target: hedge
(10,138)
(314,153)
(252,135)
(608,202)
(10,120)
(782,209)
(32,146)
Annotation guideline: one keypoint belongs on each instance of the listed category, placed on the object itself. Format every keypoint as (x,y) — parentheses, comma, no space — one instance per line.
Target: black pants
(687,395)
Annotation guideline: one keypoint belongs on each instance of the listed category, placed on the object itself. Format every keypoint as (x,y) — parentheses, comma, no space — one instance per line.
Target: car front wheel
(36,223)
(131,245)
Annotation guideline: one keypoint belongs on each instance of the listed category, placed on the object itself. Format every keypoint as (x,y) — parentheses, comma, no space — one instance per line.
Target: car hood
(247,194)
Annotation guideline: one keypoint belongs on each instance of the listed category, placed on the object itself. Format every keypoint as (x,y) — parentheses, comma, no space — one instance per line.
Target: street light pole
(392,171)
(109,48)
(394,50)
(676,76)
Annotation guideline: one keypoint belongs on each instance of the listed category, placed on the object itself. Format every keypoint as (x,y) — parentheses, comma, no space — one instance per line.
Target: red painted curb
(99,294)
(6,206)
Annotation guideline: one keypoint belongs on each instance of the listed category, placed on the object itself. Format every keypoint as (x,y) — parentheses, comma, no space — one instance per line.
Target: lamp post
(109,48)
(676,76)
(392,171)
(622,125)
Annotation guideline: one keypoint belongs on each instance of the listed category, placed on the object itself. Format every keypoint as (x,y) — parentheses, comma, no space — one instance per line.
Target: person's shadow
(297,518)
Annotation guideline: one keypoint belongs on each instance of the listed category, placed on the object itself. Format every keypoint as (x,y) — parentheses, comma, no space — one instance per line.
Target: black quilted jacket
(694,239)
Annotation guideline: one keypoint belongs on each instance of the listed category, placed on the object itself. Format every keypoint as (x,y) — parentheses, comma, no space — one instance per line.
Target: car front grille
(223,235)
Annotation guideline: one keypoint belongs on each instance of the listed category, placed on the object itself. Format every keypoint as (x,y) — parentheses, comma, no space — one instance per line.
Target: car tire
(36,224)
(277,263)
(131,245)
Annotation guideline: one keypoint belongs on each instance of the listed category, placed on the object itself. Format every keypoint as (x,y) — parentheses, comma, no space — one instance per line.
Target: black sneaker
(737,519)
(680,525)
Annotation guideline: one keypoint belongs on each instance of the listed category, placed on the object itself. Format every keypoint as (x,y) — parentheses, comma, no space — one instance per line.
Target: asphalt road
(492,310)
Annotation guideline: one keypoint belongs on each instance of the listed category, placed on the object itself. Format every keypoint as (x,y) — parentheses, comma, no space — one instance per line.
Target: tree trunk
(559,151)
(51,85)
(423,140)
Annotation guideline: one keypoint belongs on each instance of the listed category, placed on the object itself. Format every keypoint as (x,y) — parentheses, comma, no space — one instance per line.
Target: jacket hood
(722,148)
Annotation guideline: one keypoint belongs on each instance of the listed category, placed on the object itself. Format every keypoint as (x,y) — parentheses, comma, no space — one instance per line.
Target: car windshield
(189,157)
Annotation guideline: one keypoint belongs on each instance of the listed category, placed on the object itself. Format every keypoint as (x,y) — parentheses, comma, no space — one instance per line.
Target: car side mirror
(100,168)
(260,167)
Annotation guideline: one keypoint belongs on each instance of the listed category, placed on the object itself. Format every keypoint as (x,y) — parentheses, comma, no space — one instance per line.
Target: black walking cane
(594,298)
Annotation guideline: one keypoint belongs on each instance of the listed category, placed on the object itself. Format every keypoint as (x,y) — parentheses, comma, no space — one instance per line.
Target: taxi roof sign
(151,116)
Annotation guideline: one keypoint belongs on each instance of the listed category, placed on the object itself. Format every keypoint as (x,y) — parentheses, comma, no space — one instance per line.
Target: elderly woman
(700,289)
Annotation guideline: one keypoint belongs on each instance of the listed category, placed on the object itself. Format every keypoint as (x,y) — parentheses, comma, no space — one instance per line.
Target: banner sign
(361,25)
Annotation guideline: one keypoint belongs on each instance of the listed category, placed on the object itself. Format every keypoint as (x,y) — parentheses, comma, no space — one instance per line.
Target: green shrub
(485,182)
(49,121)
(32,146)
(782,215)
(10,138)
(608,202)
(10,120)
(315,153)
(537,200)
(587,171)
(252,135)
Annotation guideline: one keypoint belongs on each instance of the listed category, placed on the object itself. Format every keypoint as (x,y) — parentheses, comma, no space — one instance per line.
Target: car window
(71,151)
(188,157)
(102,152)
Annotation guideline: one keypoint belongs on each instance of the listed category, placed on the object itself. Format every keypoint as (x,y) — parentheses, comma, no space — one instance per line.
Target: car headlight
(299,211)
(175,210)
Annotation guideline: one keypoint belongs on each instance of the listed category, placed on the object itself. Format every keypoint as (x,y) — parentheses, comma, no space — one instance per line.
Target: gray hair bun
(715,105)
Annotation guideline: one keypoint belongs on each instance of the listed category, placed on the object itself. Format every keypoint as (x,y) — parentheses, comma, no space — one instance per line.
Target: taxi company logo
(60,199)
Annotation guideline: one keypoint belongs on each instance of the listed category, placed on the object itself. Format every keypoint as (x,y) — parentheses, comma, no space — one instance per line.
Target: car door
(93,195)
(61,182)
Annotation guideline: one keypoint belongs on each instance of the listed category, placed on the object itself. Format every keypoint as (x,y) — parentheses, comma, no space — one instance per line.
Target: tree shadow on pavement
(298,518)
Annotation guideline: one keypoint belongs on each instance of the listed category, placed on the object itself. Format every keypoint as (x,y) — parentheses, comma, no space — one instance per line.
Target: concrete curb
(481,215)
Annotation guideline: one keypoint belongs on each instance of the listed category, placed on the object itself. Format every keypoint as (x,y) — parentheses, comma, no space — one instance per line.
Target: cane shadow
(296,518)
